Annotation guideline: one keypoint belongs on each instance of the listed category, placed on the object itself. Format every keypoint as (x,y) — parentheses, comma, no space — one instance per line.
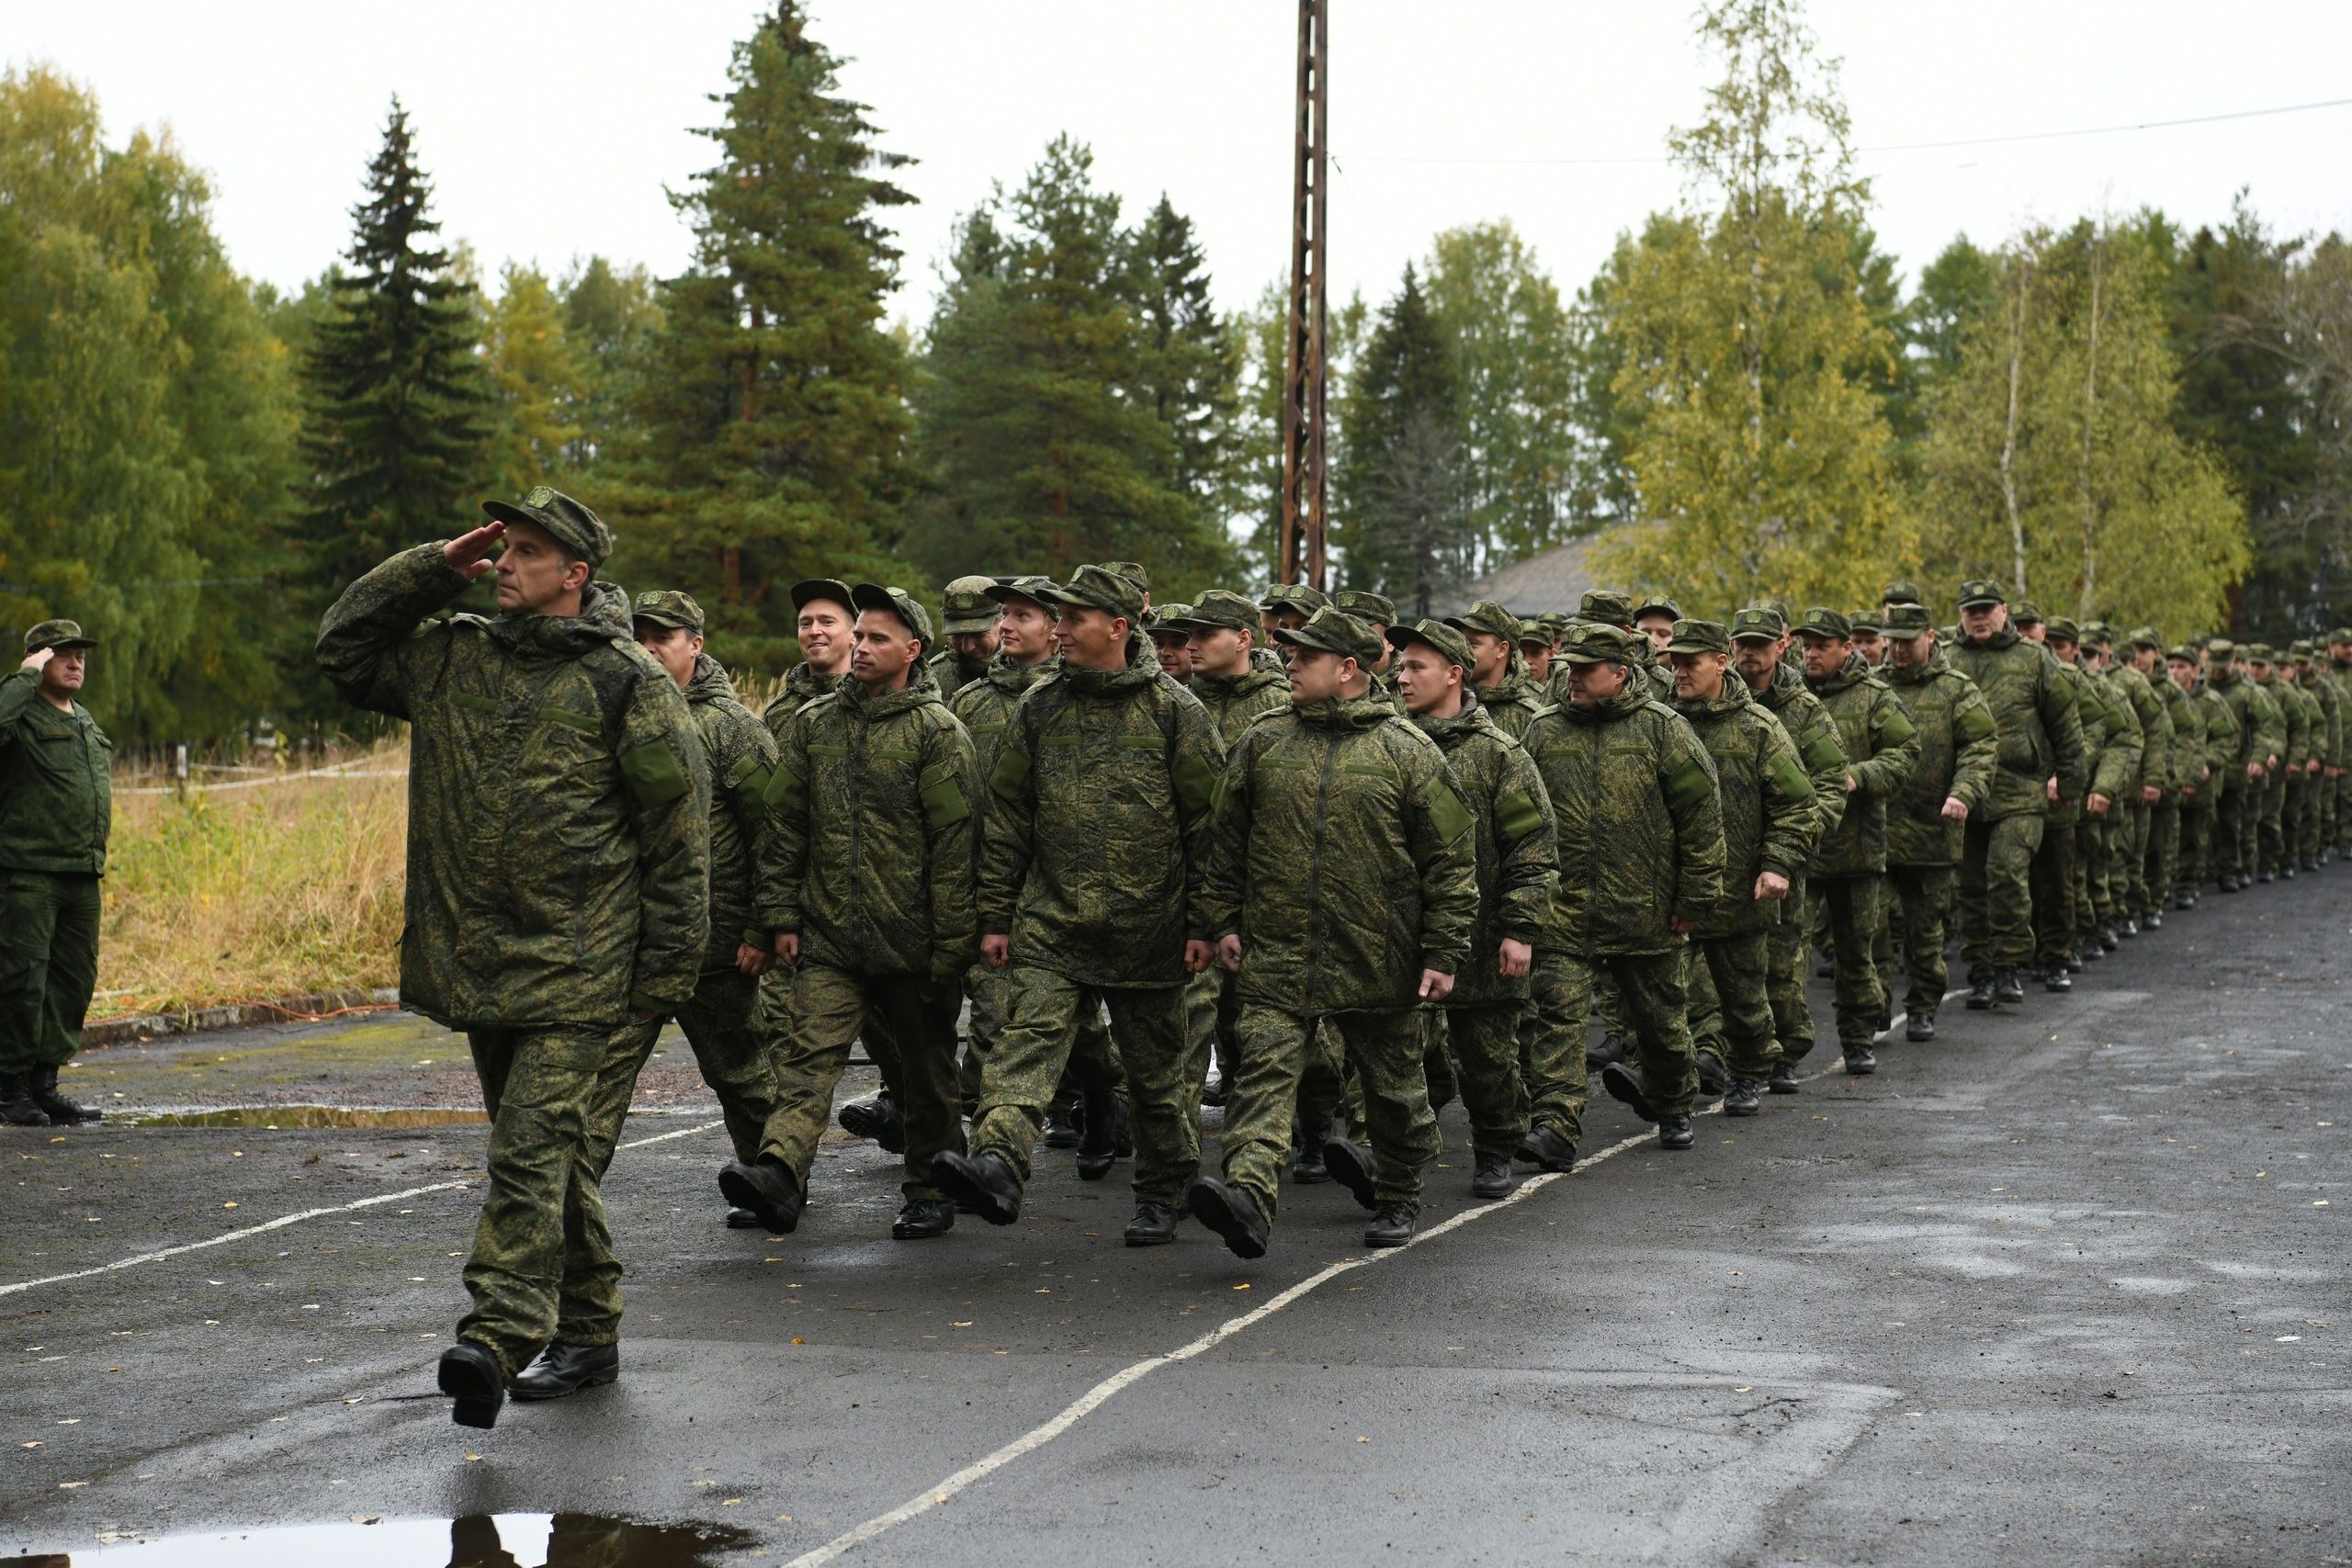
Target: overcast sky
(550,129)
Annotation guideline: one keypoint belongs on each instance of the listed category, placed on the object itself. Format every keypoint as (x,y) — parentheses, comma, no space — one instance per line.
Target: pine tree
(1398,518)
(771,433)
(539,382)
(394,398)
(1189,365)
(611,315)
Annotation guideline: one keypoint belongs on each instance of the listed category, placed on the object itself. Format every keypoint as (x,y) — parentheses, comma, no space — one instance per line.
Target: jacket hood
(1630,700)
(1013,678)
(1855,668)
(1241,686)
(1345,712)
(603,618)
(920,690)
(1100,683)
(1450,733)
(709,683)
(1734,697)
(2008,636)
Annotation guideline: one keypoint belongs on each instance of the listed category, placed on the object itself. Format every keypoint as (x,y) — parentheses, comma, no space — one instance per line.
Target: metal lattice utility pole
(1302,402)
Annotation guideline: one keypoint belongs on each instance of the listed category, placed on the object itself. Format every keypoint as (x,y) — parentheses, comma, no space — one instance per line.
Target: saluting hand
(38,659)
(469,553)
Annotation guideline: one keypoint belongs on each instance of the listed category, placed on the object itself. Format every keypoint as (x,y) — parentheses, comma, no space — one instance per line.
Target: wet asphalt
(2068,1285)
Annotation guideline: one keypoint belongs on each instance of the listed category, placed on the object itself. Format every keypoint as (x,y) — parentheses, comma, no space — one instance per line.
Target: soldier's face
(534,576)
(1430,682)
(2144,660)
(882,651)
(1659,629)
(1825,656)
(1589,685)
(2260,668)
(973,645)
(1910,653)
(1173,649)
(2033,631)
(61,676)
(1318,674)
(1759,659)
(1490,658)
(673,648)
(1981,620)
(2064,650)
(1388,658)
(1282,618)
(1218,651)
(1538,656)
(1699,677)
(1090,639)
(1872,647)
(824,636)
(1024,631)
(2184,673)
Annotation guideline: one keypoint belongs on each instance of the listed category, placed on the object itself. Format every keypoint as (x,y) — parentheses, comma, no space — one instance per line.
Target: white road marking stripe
(284,1220)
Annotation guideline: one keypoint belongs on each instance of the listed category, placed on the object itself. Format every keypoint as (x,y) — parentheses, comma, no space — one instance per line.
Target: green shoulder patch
(1688,784)
(1823,752)
(654,773)
(943,804)
(1975,723)
(1195,784)
(784,790)
(1897,727)
(1790,782)
(1010,778)
(1516,816)
(1448,815)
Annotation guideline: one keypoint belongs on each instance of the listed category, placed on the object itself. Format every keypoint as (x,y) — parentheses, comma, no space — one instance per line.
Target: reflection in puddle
(478,1540)
(309,1116)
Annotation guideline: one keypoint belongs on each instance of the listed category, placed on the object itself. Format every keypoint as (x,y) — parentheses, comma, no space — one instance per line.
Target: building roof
(1555,580)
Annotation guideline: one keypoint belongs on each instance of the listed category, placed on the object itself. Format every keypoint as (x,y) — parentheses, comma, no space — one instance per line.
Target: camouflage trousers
(1657,1004)
(2306,843)
(49,966)
(2098,844)
(2160,854)
(1922,891)
(2233,818)
(1048,1010)
(1729,1001)
(1996,891)
(1476,1050)
(2057,914)
(1888,937)
(1785,983)
(915,1049)
(723,1026)
(1853,904)
(2270,830)
(2196,863)
(1385,1050)
(2129,874)
(542,1265)
(1212,1014)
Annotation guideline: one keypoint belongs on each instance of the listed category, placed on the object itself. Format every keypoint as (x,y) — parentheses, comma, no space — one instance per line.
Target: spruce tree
(394,398)
(1189,368)
(772,426)
(1399,519)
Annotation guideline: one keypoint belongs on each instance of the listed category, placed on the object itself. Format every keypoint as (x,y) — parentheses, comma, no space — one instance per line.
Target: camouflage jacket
(1495,779)
(1233,701)
(1955,762)
(2221,749)
(873,803)
(2262,729)
(2155,727)
(747,903)
(1814,734)
(2117,772)
(1345,860)
(984,707)
(2186,763)
(2037,734)
(951,672)
(1512,703)
(1881,748)
(1769,815)
(559,838)
(2323,691)
(1641,824)
(56,785)
(2095,712)
(1098,826)
(802,685)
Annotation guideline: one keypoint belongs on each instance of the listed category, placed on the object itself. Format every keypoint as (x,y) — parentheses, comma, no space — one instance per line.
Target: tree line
(2122,415)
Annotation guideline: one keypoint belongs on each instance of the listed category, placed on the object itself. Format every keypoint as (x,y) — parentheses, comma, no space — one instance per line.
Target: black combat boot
(1306,1167)
(1231,1212)
(1920,1026)
(766,1187)
(1712,1074)
(1103,1128)
(1491,1177)
(1624,1084)
(920,1219)
(2055,978)
(1548,1148)
(1061,1132)
(17,1107)
(1742,1099)
(1392,1224)
(1351,1166)
(878,1118)
(1784,1078)
(563,1369)
(2153,920)
(475,1383)
(1673,1132)
(982,1184)
(1861,1060)
(2008,988)
(62,1111)
(1154,1225)
(1980,991)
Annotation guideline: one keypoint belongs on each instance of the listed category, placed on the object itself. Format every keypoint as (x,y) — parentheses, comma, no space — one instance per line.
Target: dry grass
(249,894)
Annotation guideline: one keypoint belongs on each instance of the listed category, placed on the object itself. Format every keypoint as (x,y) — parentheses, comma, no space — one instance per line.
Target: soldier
(1849,868)
(1497,779)
(1498,675)
(1868,629)
(872,800)
(823,617)
(1091,893)
(2286,766)
(2312,675)
(1640,850)
(970,628)
(2184,771)
(1770,825)
(720,1020)
(2154,778)
(1537,643)
(548,950)
(1899,592)
(1378,611)
(56,805)
(1653,617)
(1169,642)
(1927,822)
(2059,911)
(2038,741)
(2339,669)
(1285,607)
(1344,889)
(1759,638)
(2260,736)
(2200,811)
(2114,770)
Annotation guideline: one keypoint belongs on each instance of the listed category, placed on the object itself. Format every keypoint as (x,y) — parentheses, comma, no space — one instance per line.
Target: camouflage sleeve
(1008,830)
(1975,752)
(2335,732)
(370,638)
(741,768)
(668,780)
(1229,806)
(1525,840)
(2062,725)
(1895,748)
(1694,800)
(1195,757)
(1791,816)
(2118,763)
(2270,728)
(2156,743)
(1824,755)
(950,784)
(1439,835)
(2221,737)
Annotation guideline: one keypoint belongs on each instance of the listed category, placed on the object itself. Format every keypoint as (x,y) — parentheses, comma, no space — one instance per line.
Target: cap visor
(507,512)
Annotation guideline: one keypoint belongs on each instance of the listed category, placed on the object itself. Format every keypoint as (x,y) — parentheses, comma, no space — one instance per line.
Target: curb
(233,1015)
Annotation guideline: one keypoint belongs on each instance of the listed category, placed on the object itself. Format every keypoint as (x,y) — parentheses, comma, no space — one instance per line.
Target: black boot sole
(967,1194)
(596,1379)
(475,1391)
(1625,1088)
(1783,1086)
(1204,1204)
(1351,1166)
(737,1190)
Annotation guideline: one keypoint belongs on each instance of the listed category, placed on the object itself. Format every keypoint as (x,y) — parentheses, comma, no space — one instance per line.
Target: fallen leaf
(230,1204)
(729,1502)
(1363,1440)
(29,1445)
(70,1485)
(1744,1388)
(1242,1287)
(366,1518)
(797,1340)
(473,1459)
(2287,1338)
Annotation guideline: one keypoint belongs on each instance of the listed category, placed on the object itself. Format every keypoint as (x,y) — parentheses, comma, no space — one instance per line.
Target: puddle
(478,1540)
(269,1116)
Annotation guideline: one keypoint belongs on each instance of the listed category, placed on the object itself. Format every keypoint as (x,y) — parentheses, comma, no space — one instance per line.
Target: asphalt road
(2068,1285)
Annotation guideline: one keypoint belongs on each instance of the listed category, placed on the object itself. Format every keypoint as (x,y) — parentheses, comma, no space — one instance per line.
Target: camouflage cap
(832,590)
(1657,604)
(1822,621)
(668,607)
(969,607)
(2220,649)
(567,521)
(1906,620)
(1537,633)
(2026,613)
(2063,630)
(1489,617)
(1979,591)
(2145,636)
(1167,620)
(1335,631)
(1900,593)
(1598,642)
(1759,623)
(2258,653)
(2340,634)
(898,602)
(1699,636)
(1217,607)
(1867,620)
(1366,604)
(1132,570)
(57,634)
(2300,647)
(1607,605)
(1557,623)
(1448,641)
(1031,587)
(1097,588)
(1292,596)
(2185,653)
(2098,633)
